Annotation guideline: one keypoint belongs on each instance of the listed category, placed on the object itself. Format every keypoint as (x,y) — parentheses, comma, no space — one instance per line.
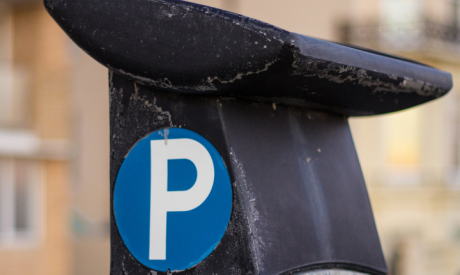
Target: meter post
(231,151)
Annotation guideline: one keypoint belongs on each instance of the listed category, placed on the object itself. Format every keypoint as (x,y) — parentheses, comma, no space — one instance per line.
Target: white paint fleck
(240,75)
(166,131)
(165,83)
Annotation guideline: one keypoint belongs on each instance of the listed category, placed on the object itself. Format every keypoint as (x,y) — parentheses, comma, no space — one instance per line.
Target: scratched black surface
(189,48)
(299,198)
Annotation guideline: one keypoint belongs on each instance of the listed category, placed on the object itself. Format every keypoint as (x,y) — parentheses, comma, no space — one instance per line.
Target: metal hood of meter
(189,48)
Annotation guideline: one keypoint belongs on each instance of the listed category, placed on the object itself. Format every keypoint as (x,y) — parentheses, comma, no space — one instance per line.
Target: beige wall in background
(316,18)
(39,46)
(91,133)
(91,183)
(408,158)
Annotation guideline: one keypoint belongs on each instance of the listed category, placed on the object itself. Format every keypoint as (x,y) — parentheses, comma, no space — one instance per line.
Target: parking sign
(172,199)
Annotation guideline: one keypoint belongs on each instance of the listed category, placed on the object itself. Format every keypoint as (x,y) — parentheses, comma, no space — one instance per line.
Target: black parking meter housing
(274,104)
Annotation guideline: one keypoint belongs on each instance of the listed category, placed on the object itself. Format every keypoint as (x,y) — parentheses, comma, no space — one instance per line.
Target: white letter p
(162,201)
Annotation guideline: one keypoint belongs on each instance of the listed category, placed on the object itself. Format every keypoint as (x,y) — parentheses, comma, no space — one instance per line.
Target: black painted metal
(300,201)
(189,48)
(299,198)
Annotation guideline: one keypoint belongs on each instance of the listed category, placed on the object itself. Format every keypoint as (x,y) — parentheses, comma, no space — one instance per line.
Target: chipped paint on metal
(339,73)
(252,215)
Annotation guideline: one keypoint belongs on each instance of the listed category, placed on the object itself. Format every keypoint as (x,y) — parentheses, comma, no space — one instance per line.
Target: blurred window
(13,96)
(401,134)
(456,13)
(401,20)
(13,79)
(453,132)
(401,11)
(19,201)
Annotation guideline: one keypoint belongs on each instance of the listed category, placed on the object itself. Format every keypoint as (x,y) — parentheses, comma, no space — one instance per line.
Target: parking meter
(230,147)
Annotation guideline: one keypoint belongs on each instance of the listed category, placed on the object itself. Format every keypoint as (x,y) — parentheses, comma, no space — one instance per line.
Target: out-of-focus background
(54,135)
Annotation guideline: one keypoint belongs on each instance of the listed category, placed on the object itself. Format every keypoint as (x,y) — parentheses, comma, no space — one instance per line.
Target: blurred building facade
(35,134)
(54,135)
(411,159)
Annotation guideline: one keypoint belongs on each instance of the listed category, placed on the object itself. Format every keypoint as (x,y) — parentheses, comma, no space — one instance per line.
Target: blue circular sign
(172,199)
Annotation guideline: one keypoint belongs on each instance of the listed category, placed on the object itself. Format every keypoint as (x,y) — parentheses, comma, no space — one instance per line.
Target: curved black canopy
(190,48)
